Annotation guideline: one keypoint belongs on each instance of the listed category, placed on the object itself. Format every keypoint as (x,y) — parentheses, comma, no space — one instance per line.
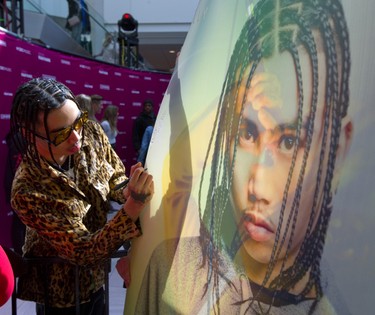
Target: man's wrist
(138,197)
(132,208)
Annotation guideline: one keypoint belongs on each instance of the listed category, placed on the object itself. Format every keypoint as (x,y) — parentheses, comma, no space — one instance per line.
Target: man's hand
(139,190)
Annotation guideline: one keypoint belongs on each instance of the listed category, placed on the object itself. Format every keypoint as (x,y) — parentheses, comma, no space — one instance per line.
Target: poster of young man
(260,156)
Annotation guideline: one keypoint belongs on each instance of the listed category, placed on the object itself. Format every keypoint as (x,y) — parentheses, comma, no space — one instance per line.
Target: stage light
(128,27)
(128,41)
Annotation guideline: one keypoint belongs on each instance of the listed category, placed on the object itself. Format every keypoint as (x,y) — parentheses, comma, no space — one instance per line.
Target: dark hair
(96,97)
(31,98)
(148,101)
(84,102)
(314,25)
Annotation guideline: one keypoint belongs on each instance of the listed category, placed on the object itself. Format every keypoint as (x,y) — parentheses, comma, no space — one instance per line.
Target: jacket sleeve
(55,212)
(58,222)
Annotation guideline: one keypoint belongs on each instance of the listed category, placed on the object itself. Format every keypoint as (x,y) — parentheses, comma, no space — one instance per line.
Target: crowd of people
(263,227)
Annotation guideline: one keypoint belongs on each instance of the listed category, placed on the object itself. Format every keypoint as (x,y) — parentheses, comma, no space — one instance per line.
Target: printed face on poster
(263,197)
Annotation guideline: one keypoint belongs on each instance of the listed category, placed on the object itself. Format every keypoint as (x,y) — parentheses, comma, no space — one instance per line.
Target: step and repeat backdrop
(262,156)
(21,61)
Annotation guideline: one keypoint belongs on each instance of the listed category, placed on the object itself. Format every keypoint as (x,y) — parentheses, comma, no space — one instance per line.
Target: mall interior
(132,40)
(261,157)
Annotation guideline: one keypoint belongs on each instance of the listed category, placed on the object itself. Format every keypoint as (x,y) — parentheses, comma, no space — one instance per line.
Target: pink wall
(21,61)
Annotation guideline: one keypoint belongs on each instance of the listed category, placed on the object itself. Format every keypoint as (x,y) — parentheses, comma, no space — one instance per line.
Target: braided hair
(32,98)
(282,26)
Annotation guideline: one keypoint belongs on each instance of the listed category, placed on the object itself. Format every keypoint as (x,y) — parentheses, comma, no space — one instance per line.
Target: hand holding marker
(125,182)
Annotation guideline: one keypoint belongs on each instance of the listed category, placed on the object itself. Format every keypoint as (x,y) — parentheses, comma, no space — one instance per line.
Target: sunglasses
(62,135)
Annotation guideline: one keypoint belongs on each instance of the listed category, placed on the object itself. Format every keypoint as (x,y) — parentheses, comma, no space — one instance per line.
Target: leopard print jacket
(67,218)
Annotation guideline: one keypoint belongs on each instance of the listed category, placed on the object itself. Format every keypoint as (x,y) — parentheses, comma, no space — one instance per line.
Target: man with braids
(279,141)
(61,192)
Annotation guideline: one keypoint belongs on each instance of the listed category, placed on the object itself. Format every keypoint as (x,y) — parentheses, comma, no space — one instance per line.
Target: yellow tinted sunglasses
(62,135)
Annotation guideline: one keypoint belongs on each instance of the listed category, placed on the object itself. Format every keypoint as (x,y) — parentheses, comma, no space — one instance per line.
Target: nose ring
(252,198)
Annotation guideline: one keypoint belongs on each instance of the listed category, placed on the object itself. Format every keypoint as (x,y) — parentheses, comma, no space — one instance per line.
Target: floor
(116,295)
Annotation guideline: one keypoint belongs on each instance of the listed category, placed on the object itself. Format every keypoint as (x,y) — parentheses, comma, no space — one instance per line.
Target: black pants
(96,306)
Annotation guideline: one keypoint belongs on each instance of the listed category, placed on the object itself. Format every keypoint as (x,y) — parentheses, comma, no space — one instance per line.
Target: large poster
(262,158)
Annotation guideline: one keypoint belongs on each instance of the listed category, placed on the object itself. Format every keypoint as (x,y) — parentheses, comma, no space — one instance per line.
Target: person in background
(62,191)
(73,21)
(145,144)
(109,124)
(146,118)
(78,21)
(6,278)
(96,106)
(84,102)
(110,49)
(85,18)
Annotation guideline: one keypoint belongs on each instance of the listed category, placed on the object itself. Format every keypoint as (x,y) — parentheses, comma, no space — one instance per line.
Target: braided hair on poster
(277,26)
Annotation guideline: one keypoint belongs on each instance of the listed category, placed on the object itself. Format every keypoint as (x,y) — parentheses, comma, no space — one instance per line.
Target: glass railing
(32,6)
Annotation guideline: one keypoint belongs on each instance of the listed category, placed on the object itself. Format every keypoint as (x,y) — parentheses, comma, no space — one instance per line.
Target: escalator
(44,29)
